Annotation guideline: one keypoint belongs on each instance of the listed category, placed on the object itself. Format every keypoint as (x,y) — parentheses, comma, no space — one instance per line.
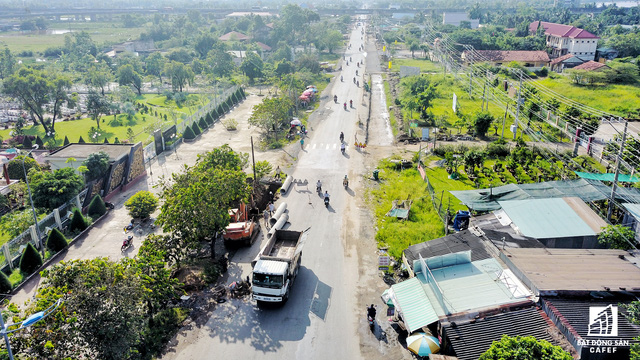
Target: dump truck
(276,266)
(242,229)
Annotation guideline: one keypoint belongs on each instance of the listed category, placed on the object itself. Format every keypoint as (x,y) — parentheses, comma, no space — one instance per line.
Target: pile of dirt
(191,277)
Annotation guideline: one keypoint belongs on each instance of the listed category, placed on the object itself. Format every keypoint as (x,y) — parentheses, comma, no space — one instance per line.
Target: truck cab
(272,280)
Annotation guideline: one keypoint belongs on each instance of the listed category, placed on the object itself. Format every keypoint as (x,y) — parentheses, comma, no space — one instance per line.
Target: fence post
(34,235)
(7,255)
(56,215)
(78,204)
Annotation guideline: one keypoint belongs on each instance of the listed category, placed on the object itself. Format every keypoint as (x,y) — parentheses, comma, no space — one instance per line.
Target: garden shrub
(209,119)
(78,222)
(39,142)
(188,133)
(96,207)
(56,241)
(81,140)
(30,260)
(5,283)
(15,170)
(196,129)
(497,150)
(26,143)
(142,204)
(66,140)
(214,114)
(203,124)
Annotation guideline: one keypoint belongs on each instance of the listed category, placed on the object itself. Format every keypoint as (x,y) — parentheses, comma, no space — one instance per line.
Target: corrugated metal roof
(546,218)
(470,340)
(412,301)
(461,241)
(270,267)
(633,209)
(574,315)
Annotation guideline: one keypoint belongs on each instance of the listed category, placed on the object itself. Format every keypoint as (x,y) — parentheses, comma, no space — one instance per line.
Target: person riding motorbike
(358,83)
(350,56)
(326,199)
(356,72)
(371,315)
(319,187)
(335,99)
(345,106)
(341,78)
(350,103)
(342,147)
(341,136)
(345,182)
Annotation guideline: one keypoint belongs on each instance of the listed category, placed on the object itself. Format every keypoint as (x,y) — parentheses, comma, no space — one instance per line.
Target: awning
(411,300)
(608,177)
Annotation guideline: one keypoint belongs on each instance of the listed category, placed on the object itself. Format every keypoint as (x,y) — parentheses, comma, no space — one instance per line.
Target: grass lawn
(110,129)
(426,66)
(423,223)
(617,99)
(100,32)
(440,182)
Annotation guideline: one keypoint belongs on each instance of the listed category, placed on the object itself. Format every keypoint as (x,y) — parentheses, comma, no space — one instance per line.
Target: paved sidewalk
(105,238)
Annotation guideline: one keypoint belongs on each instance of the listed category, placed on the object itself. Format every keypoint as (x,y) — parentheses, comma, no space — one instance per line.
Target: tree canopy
(524,348)
(52,189)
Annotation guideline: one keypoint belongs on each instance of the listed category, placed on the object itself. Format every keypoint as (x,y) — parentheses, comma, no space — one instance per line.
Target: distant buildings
(567,39)
(533,60)
(456,18)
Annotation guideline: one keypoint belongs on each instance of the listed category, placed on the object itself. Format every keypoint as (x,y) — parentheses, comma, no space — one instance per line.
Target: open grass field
(100,32)
(617,99)
(73,129)
(426,66)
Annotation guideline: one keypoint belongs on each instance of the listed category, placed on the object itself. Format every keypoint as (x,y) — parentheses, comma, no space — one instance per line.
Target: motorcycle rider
(335,98)
(350,103)
(319,186)
(371,312)
(326,196)
(345,106)
(345,181)
(342,147)
(341,78)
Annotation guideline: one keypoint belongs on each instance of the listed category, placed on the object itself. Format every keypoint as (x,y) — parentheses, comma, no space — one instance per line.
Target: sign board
(425,134)
(383,262)
(455,102)
(413,125)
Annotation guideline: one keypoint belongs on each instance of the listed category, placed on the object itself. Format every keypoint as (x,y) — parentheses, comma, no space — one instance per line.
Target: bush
(142,204)
(66,140)
(56,241)
(209,119)
(5,283)
(78,222)
(81,140)
(30,260)
(26,143)
(188,133)
(96,207)
(196,129)
(214,114)
(495,150)
(203,124)
(15,170)
(39,142)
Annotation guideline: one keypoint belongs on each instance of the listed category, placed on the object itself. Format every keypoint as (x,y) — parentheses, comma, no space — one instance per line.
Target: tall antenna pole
(617,173)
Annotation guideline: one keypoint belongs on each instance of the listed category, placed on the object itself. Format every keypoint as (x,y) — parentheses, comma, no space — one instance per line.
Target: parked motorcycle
(126,243)
(129,226)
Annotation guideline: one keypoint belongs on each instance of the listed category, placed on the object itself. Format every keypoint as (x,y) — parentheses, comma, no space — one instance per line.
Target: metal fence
(13,248)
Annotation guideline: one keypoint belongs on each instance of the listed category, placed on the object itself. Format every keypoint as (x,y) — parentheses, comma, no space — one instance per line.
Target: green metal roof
(414,305)
(546,218)
(608,177)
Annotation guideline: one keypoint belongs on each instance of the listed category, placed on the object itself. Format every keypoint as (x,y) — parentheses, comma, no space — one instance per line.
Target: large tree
(128,76)
(154,65)
(524,348)
(98,76)
(96,105)
(52,189)
(618,237)
(252,66)
(203,194)
(180,75)
(38,88)
(271,114)
(7,63)
(220,63)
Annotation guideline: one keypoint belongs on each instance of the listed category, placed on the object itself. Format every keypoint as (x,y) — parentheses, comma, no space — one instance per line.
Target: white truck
(276,266)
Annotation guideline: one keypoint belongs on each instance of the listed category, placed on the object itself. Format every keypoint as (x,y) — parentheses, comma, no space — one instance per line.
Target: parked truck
(276,266)
(242,229)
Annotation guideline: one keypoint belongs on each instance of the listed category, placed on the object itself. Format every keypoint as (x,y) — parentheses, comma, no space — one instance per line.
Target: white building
(456,18)
(567,39)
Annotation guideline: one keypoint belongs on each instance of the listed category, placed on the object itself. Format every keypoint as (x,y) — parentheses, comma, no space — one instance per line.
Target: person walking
(301,143)
(278,172)
(265,214)
(272,208)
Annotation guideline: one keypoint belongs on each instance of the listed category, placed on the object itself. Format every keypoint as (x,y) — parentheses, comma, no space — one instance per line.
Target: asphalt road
(321,320)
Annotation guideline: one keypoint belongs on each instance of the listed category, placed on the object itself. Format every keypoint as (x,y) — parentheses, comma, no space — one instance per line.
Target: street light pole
(33,209)
(34,318)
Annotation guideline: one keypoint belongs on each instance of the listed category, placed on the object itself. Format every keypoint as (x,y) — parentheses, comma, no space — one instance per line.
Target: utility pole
(617,173)
(504,121)
(253,158)
(470,79)
(515,130)
(484,94)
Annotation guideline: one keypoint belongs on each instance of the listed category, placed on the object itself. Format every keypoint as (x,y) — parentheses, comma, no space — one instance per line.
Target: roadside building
(234,36)
(567,61)
(592,66)
(566,39)
(532,60)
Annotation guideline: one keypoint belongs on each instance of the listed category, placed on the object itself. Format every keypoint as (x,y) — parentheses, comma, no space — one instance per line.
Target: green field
(100,32)
(76,128)
(426,66)
(618,99)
